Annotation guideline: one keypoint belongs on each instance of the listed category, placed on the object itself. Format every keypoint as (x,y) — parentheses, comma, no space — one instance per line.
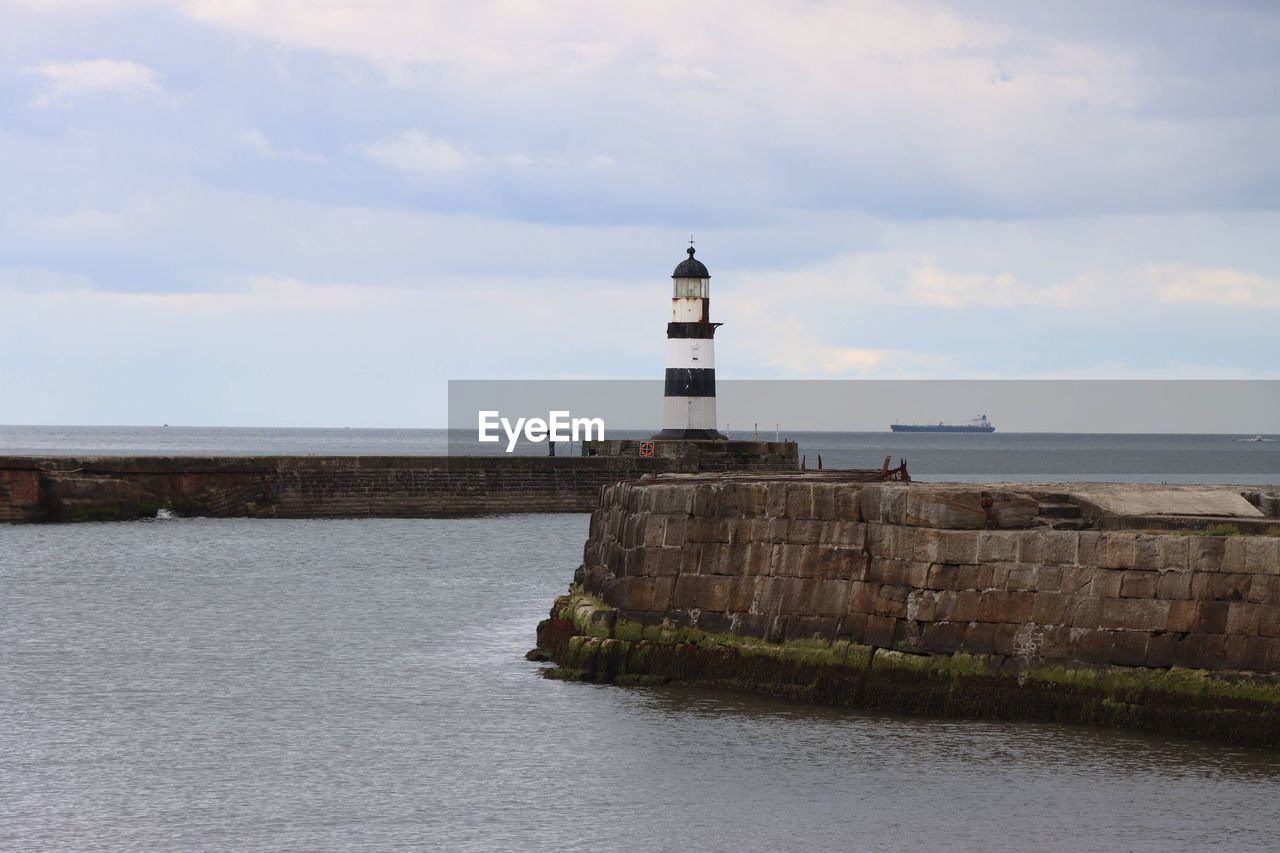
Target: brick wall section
(928,569)
(307,487)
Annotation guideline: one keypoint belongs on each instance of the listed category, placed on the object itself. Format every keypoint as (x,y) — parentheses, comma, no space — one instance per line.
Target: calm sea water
(359,685)
(1009,457)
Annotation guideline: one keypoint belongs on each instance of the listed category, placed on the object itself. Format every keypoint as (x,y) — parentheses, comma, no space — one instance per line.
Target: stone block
(980,639)
(832,597)
(1262,555)
(787,560)
(1174,553)
(633,593)
(975,577)
(1006,639)
(718,623)
(1051,608)
(1058,547)
(925,545)
(1258,653)
(1106,584)
(957,546)
(965,606)
(1135,614)
(1205,553)
(880,631)
(1264,589)
(805,531)
(1030,547)
(846,534)
(1017,576)
(1091,548)
(943,576)
(1233,554)
(663,588)
(943,638)
(824,501)
(891,601)
(997,606)
(1121,549)
(690,560)
(742,594)
(702,592)
(1086,612)
(1048,579)
(716,559)
(798,595)
(812,628)
(943,508)
(848,500)
(997,546)
(654,530)
(776,499)
(1137,583)
(671,499)
(768,595)
(1147,556)
(1183,616)
(1213,617)
(852,626)
(1163,650)
(1130,648)
(1243,618)
(1174,585)
(1269,622)
(673,531)
(799,501)
(869,504)
(838,563)
(862,596)
(921,605)
(1092,646)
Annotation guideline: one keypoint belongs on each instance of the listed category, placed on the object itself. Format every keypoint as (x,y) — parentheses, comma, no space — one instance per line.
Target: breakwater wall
(86,489)
(1055,602)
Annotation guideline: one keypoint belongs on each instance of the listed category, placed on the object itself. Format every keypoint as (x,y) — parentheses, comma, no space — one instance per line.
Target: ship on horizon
(978,424)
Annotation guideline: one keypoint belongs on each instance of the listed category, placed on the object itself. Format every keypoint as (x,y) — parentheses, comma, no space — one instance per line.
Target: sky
(229,212)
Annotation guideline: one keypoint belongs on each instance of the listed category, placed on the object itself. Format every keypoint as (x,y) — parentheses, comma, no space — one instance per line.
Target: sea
(931,457)
(268,685)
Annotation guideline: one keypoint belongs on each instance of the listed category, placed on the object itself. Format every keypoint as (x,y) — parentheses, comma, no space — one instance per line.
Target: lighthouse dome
(691,267)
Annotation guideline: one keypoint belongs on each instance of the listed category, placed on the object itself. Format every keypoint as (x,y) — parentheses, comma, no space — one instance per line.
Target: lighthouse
(689,396)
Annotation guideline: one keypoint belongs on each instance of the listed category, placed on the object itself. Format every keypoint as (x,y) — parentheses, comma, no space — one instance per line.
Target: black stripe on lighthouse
(690,382)
(705,331)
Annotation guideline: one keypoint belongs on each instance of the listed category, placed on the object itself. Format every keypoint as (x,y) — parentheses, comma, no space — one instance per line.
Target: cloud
(66,82)
(414,153)
(256,141)
(1180,283)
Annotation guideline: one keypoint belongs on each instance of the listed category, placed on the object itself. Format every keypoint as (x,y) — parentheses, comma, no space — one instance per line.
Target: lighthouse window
(691,287)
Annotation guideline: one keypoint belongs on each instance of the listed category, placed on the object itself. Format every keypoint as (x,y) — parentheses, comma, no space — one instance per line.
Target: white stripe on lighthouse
(691,352)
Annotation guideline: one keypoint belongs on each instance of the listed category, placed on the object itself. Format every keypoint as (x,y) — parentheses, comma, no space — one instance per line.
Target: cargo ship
(979,424)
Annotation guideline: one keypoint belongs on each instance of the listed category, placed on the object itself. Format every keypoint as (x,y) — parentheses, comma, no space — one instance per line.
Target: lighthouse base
(689,435)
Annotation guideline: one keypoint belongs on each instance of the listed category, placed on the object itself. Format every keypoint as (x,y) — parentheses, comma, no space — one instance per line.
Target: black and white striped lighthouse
(689,399)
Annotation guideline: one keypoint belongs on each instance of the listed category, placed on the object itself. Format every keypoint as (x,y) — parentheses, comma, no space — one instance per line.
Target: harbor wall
(1006,571)
(1056,603)
(100,488)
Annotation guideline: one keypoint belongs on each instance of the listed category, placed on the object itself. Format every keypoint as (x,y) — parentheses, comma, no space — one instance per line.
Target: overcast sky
(315,213)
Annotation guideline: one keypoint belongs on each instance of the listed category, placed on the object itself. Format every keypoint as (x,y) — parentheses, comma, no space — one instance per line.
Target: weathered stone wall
(1017,571)
(305,486)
